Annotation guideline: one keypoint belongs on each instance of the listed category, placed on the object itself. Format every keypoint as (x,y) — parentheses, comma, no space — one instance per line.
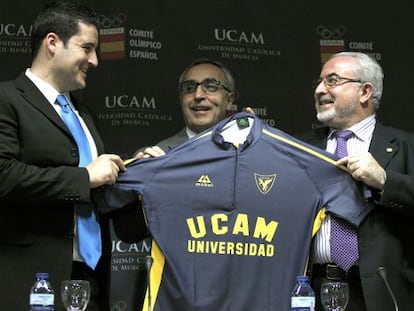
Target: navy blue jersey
(231,225)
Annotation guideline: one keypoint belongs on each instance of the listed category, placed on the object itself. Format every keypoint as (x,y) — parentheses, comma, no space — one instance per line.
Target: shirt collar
(362,130)
(190,133)
(44,87)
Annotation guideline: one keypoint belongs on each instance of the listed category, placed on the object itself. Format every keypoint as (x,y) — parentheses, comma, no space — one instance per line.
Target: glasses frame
(203,86)
(339,81)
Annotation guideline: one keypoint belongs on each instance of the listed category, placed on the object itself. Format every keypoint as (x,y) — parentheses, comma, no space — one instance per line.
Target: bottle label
(42,302)
(302,304)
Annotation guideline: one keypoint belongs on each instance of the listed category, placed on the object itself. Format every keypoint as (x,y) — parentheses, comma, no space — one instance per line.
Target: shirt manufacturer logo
(204,181)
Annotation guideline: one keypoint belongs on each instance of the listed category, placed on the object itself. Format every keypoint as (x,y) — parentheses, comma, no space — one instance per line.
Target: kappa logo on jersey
(204,181)
(264,182)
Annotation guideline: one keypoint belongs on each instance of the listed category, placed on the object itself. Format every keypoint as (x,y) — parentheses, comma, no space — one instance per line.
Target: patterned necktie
(89,234)
(344,242)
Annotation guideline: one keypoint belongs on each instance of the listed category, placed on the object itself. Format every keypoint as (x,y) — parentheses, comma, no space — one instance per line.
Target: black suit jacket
(385,236)
(40,182)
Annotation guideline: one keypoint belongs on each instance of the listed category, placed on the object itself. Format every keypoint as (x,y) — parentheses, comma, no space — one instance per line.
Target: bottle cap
(302,278)
(42,275)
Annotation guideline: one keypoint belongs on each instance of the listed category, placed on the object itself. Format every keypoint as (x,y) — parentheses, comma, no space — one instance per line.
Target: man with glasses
(347,96)
(207,91)
(206,94)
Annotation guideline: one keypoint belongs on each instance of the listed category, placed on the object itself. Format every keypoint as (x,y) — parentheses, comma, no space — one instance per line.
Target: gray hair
(229,83)
(367,69)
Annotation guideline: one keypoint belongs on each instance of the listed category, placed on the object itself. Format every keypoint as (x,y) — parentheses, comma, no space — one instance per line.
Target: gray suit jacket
(170,142)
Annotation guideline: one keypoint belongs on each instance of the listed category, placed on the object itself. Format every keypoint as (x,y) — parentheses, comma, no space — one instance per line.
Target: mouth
(200,108)
(84,71)
(325,101)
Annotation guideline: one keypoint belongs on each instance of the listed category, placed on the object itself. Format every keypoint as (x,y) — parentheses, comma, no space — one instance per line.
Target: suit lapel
(32,95)
(383,145)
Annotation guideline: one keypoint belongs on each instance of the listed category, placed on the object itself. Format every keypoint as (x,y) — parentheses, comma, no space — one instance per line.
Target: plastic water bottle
(42,296)
(303,296)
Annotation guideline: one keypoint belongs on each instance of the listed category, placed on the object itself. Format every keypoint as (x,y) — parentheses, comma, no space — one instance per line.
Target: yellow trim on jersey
(316,226)
(127,161)
(318,221)
(155,276)
(130,160)
(204,135)
(304,148)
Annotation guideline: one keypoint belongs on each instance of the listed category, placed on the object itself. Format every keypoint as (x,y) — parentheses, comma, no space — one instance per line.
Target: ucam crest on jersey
(264,182)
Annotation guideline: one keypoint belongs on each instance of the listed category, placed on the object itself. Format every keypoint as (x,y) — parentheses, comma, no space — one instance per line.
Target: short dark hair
(230,82)
(61,17)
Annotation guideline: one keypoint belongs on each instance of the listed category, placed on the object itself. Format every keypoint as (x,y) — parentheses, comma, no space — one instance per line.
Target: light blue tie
(89,234)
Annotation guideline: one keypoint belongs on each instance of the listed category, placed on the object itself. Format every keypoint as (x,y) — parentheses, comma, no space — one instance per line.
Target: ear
(230,100)
(51,42)
(367,92)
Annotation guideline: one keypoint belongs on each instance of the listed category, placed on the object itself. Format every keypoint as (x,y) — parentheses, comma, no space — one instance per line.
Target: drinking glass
(334,295)
(75,294)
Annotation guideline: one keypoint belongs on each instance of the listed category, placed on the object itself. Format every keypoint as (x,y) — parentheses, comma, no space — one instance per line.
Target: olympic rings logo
(331,32)
(112,21)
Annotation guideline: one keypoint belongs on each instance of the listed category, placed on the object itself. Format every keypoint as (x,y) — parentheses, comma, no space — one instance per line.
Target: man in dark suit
(41,181)
(207,91)
(347,96)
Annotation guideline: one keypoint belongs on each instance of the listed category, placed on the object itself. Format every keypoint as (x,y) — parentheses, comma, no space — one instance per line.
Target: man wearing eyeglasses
(207,91)
(206,94)
(347,96)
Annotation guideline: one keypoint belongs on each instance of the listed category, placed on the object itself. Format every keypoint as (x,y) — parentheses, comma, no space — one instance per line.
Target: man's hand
(154,152)
(249,110)
(104,170)
(365,168)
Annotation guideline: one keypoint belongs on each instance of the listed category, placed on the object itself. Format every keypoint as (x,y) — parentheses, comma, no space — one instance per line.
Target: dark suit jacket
(170,142)
(385,236)
(40,182)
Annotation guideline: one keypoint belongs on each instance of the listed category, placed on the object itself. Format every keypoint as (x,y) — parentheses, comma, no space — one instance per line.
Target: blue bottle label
(302,304)
(42,302)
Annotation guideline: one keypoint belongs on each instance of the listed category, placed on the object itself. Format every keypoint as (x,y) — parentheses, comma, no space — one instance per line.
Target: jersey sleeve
(342,196)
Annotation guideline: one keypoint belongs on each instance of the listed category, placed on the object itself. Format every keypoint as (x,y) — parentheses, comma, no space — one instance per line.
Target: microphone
(383,275)
(148,260)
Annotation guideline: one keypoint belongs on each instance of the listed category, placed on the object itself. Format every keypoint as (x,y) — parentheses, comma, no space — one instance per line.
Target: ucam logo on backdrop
(126,109)
(234,35)
(127,101)
(15,38)
(238,44)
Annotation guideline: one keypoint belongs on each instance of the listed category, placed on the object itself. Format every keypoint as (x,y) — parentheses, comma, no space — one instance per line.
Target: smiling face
(345,104)
(202,109)
(73,60)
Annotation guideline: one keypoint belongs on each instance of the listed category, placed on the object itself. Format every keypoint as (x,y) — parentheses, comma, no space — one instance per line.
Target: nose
(320,88)
(93,59)
(199,92)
